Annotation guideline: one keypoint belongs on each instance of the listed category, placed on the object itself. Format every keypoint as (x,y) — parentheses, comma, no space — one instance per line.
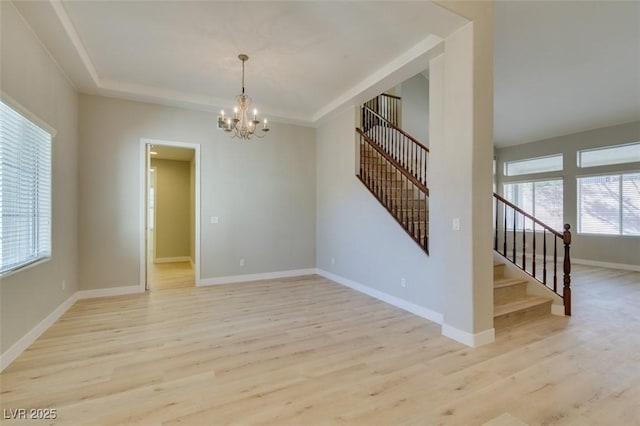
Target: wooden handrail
(391,96)
(391,160)
(527,215)
(402,132)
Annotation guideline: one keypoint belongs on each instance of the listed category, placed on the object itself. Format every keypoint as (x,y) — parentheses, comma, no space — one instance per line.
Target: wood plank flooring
(171,275)
(306,351)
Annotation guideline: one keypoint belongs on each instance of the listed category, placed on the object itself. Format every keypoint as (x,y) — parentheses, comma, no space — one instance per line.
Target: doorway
(170,219)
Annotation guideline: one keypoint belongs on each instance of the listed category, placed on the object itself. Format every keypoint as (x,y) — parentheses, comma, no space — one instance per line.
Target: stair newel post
(566,291)
(534,249)
(524,243)
(495,238)
(504,231)
(555,263)
(544,256)
(513,249)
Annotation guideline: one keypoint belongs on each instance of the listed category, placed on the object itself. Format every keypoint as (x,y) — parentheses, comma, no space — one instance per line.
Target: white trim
(557,310)
(107,292)
(25,266)
(68,27)
(28,339)
(28,114)
(624,266)
(143,207)
(230,279)
(420,311)
(173,259)
(25,341)
(474,340)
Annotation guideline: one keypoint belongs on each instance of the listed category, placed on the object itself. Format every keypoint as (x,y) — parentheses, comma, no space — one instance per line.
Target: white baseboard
(611,265)
(25,341)
(106,292)
(255,277)
(474,340)
(557,310)
(172,259)
(387,298)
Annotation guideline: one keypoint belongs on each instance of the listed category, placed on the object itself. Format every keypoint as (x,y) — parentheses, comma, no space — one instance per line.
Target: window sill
(24,267)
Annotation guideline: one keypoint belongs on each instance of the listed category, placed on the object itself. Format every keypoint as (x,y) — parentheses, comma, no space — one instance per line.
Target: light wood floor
(306,351)
(171,275)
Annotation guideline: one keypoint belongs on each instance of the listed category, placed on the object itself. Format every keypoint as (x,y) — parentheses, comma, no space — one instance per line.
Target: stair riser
(523,315)
(498,271)
(512,292)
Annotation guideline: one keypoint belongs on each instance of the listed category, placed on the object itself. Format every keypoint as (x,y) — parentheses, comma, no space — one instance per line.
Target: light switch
(456,223)
(214,219)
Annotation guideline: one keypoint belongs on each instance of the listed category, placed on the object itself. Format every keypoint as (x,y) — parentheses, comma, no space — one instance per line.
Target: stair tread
(519,304)
(495,263)
(507,281)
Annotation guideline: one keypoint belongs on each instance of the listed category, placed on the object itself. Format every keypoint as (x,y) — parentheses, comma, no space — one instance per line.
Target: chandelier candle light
(239,126)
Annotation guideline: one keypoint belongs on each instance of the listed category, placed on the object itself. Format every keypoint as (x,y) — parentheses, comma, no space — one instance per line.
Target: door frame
(144,175)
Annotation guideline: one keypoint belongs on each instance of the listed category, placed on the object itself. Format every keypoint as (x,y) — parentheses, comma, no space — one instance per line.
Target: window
(609,204)
(619,154)
(542,199)
(551,163)
(25,191)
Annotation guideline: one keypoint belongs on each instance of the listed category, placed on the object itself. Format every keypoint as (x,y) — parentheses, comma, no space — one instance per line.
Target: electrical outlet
(403,282)
(333,261)
(214,219)
(241,262)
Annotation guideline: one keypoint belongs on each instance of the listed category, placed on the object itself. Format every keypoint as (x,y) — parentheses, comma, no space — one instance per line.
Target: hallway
(164,276)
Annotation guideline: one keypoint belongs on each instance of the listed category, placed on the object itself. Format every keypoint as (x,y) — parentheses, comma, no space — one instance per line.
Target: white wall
(262,191)
(624,250)
(32,78)
(415,107)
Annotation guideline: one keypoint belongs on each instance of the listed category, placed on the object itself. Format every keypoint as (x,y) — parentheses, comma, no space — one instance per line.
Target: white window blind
(541,199)
(618,154)
(25,191)
(533,165)
(609,204)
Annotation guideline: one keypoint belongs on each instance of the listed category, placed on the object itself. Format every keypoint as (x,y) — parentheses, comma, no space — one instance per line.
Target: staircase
(511,303)
(393,166)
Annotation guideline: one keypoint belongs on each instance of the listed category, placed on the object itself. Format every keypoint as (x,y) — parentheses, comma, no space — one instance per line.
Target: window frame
(33,120)
(604,148)
(533,182)
(618,174)
(505,165)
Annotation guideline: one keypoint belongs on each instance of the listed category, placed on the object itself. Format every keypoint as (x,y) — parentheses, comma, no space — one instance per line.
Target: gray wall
(262,191)
(353,228)
(415,107)
(599,248)
(173,208)
(32,78)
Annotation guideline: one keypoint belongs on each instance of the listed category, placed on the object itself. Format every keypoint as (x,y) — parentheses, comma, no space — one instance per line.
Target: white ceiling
(560,67)
(564,67)
(304,56)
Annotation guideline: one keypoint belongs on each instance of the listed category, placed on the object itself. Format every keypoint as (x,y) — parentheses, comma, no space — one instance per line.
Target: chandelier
(239,126)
